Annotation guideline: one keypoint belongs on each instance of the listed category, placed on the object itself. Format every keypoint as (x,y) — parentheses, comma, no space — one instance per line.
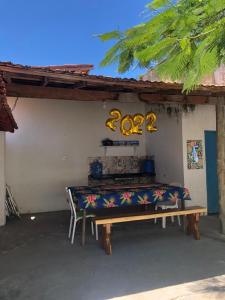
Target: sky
(53,32)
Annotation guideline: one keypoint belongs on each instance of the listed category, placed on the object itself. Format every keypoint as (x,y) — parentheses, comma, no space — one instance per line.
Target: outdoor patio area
(38,262)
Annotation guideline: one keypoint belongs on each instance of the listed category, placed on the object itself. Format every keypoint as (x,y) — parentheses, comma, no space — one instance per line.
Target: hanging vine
(172,110)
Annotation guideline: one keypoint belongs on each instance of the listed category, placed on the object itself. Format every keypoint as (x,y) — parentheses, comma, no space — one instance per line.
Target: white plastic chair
(168,206)
(75,216)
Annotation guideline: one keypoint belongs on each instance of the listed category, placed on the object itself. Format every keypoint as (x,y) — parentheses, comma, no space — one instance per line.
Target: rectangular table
(120,196)
(91,198)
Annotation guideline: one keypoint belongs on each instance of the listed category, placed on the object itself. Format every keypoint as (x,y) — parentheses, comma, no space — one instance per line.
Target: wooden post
(220,123)
(193,226)
(106,238)
(2,178)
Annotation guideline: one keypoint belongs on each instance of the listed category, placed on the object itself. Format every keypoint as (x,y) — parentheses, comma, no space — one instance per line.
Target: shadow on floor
(38,262)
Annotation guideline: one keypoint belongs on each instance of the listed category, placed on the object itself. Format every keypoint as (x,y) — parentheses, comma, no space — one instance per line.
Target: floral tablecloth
(106,197)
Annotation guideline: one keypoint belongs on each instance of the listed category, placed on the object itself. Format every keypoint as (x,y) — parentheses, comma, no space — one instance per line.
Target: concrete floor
(38,262)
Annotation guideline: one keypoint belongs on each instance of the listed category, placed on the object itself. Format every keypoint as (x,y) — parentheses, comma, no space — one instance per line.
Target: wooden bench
(192,227)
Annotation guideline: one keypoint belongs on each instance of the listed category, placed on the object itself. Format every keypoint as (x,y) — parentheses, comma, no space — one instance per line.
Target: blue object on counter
(149,166)
(96,169)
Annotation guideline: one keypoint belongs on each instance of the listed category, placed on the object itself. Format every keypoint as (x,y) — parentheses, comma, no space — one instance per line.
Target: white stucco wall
(55,139)
(2,178)
(51,147)
(166,146)
(193,127)
(169,147)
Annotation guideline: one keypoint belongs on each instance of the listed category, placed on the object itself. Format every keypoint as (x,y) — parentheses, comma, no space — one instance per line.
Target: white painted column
(2,178)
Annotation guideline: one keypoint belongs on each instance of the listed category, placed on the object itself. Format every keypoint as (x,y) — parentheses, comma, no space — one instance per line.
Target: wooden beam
(185,99)
(220,122)
(6,77)
(29,91)
(80,85)
(77,94)
(45,81)
(15,75)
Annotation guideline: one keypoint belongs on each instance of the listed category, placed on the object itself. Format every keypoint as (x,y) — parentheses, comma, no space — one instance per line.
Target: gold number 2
(138,122)
(151,116)
(110,123)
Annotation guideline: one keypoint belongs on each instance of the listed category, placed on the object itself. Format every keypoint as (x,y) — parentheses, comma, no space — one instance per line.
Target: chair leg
(155,220)
(178,220)
(70,228)
(73,232)
(96,232)
(163,222)
(172,219)
(92,228)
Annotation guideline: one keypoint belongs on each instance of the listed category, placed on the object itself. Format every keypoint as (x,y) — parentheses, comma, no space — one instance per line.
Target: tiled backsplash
(119,164)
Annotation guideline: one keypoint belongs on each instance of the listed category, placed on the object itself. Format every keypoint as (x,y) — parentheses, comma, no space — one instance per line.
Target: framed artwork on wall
(194,154)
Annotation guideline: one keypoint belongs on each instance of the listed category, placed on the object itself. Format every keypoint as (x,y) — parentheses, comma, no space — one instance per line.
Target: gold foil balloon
(151,117)
(127,130)
(131,124)
(138,120)
(110,123)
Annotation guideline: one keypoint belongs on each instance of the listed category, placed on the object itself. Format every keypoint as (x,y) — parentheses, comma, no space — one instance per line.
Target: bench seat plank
(148,215)
(192,214)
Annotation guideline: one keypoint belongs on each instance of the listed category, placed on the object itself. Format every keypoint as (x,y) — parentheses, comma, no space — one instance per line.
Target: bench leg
(106,239)
(196,232)
(193,225)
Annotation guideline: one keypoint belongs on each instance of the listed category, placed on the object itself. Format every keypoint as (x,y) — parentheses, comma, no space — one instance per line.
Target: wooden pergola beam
(29,91)
(77,94)
(180,99)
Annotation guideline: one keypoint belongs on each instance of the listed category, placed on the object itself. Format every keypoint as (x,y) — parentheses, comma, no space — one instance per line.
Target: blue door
(211,172)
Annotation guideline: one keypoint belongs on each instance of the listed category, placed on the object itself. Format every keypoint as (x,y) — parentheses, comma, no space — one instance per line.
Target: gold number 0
(151,116)
(127,120)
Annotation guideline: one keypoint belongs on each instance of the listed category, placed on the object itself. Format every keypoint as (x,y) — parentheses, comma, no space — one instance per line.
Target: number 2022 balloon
(131,124)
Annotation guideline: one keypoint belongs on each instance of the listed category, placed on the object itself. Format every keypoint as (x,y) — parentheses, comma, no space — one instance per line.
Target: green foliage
(157,4)
(182,40)
(110,35)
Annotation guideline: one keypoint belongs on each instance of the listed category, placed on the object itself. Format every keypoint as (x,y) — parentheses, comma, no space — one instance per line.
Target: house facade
(61,118)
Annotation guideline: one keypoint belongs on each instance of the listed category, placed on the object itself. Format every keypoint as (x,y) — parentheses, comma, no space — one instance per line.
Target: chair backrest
(71,202)
(176,184)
